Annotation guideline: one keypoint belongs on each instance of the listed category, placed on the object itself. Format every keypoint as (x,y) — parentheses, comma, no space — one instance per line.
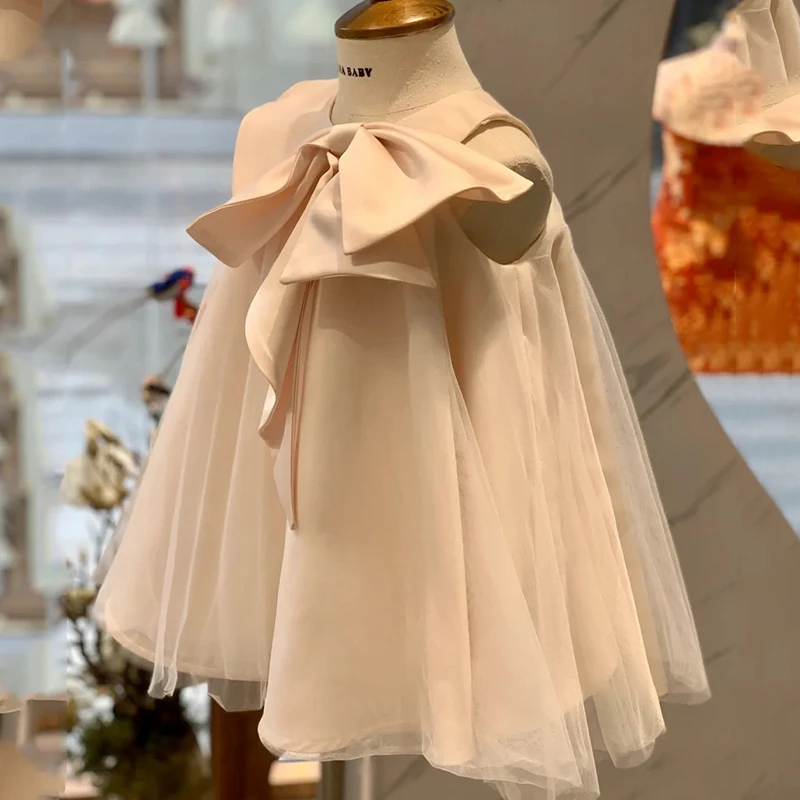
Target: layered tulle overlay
(400,496)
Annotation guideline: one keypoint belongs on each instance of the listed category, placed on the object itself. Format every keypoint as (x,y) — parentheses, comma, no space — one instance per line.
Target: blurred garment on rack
(727,219)
(727,233)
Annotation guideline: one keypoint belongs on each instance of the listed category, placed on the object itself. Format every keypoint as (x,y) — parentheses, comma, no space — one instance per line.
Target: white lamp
(229,34)
(311,23)
(229,27)
(138,24)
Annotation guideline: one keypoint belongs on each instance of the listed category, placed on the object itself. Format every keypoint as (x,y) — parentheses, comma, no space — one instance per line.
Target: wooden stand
(333,776)
(239,762)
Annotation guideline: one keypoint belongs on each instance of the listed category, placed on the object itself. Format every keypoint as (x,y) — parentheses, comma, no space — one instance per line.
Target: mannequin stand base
(240,763)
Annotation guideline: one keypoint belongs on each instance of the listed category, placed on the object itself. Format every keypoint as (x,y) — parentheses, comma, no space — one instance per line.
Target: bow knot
(340,137)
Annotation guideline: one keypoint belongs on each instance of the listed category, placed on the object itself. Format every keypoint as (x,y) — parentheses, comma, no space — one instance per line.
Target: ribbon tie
(345,205)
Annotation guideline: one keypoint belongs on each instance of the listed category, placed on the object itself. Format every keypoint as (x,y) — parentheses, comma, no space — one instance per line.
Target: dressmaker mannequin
(787,156)
(407,56)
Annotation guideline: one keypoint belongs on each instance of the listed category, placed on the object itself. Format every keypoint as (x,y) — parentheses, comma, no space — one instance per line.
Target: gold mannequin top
(384,19)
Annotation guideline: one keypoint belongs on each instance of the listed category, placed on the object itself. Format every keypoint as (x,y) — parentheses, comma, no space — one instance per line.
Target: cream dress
(400,496)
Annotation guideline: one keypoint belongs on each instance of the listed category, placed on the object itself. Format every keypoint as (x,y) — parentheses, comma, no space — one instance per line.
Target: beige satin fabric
(358,190)
(453,543)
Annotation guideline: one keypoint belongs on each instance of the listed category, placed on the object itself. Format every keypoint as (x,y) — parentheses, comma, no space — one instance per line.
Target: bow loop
(384,178)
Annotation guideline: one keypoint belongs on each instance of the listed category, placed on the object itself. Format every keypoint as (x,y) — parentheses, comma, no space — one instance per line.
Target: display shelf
(78,134)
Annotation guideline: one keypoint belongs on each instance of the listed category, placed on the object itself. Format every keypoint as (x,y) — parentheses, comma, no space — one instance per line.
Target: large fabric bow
(345,205)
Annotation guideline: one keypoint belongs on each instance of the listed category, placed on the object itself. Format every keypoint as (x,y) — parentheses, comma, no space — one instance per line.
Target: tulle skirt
(480,569)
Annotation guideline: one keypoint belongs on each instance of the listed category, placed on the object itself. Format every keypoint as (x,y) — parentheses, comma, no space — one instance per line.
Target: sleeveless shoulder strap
(462,114)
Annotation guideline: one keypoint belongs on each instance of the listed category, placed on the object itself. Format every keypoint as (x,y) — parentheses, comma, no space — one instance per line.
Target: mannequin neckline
(422,117)
(330,104)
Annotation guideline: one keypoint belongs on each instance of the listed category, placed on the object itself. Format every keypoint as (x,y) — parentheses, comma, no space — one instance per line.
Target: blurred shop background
(116,130)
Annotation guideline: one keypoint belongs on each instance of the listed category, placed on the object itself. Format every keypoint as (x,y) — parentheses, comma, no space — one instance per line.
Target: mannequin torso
(787,156)
(387,79)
